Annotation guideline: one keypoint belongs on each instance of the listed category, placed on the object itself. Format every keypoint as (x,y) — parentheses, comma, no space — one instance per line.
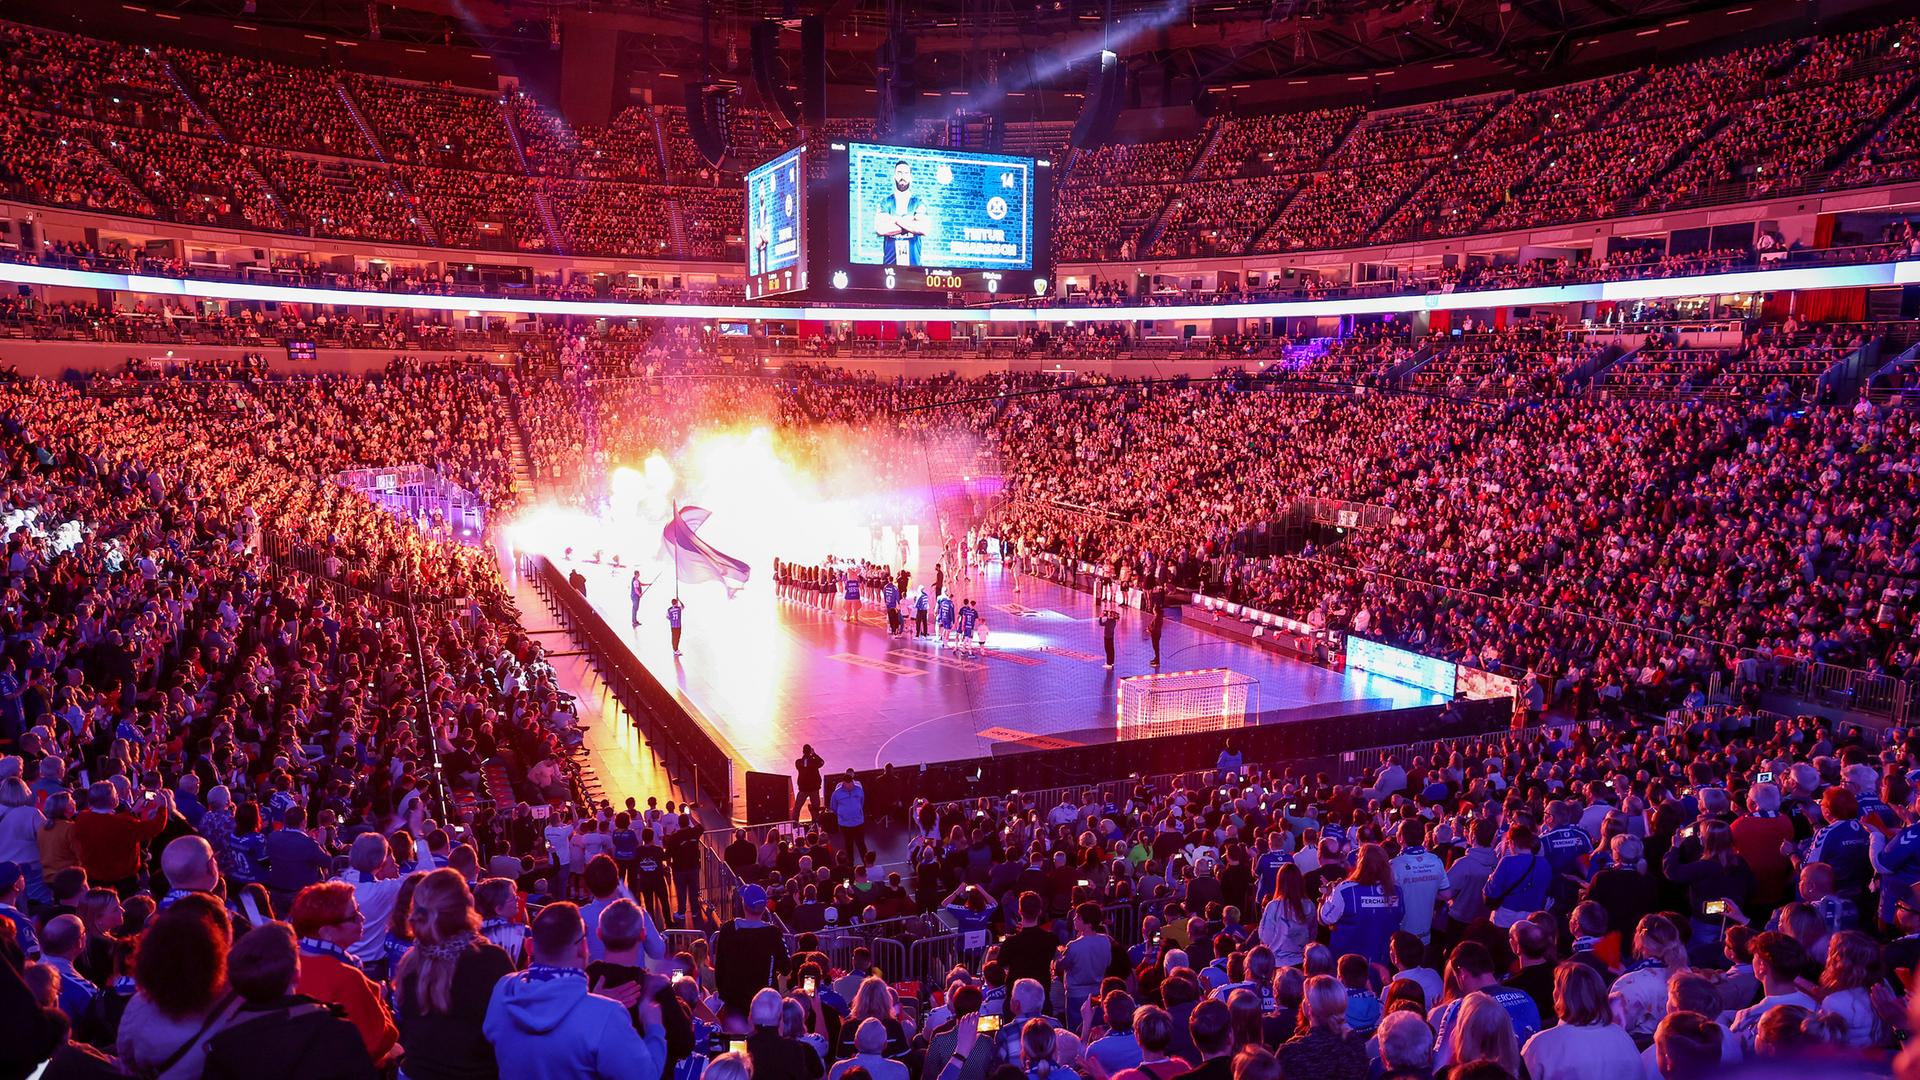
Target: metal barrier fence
(882,940)
(1359,763)
(679,941)
(929,959)
(436,505)
(666,724)
(346,580)
(1874,693)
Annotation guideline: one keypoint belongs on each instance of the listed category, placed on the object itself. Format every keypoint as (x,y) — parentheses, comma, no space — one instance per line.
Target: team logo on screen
(944,174)
(996,208)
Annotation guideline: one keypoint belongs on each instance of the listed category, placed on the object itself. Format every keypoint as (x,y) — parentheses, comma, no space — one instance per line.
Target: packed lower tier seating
(282,771)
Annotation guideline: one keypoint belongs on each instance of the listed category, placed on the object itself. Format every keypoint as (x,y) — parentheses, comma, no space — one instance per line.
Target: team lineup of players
(854,586)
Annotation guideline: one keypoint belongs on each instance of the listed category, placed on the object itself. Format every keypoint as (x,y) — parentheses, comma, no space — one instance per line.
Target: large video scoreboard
(900,219)
(777,225)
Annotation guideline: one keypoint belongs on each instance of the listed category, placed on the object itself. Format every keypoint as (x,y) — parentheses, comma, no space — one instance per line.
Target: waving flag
(696,560)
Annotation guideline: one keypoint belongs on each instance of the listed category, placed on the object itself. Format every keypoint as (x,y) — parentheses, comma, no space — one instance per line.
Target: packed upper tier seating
(1784,117)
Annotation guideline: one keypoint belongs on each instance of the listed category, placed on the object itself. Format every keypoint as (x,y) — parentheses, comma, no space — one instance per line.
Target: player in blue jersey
(944,616)
(900,220)
(890,595)
(920,604)
(968,616)
(674,610)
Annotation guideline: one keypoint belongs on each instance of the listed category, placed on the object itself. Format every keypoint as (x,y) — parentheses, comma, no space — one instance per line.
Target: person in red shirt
(1757,836)
(112,842)
(327,921)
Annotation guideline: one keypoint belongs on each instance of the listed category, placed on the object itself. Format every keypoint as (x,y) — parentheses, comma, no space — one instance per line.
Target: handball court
(770,675)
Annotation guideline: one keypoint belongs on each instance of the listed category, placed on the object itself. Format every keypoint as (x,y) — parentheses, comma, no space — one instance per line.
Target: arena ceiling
(1045,43)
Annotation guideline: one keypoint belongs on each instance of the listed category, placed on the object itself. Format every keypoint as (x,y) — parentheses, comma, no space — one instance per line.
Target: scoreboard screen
(777,225)
(933,219)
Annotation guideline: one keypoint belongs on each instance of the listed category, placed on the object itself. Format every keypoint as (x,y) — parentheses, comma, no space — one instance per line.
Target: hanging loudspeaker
(813,71)
(1106,92)
(766,75)
(707,120)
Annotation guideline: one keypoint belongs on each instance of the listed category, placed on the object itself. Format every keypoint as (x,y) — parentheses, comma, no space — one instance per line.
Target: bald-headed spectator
(328,924)
(278,1032)
(870,1045)
(1533,944)
(777,1056)
(61,942)
(190,866)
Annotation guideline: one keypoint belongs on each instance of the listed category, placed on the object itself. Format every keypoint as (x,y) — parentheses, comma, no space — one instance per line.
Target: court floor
(771,675)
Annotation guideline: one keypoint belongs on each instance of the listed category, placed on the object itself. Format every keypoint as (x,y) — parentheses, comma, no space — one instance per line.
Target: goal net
(1177,702)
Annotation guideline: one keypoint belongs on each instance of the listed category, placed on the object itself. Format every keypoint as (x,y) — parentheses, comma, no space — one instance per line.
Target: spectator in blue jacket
(1470,970)
(1520,880)
(546,1024)
(1365,909)
(1898,861)
(849,805)
(1843,844)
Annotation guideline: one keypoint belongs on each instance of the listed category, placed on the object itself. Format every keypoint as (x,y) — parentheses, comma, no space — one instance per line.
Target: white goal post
(1178,702)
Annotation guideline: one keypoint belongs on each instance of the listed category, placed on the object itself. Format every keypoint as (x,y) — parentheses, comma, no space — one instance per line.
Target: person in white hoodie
(546,1023)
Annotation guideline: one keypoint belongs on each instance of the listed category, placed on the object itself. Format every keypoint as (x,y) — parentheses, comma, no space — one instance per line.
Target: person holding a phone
(1718,882)
(112,841)
(1759,835)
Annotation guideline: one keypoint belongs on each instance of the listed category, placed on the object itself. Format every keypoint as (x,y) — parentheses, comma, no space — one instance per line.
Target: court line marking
(869,662)
(880,750)
(1012,658)
(1028,738)
(1074,654)
(938,660)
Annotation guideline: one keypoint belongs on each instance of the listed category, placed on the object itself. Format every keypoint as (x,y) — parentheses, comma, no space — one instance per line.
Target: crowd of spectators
(444,126)
(1247,146)
(274,737)
(260,103)
(1740,124)
(1584,901)
(1532,360)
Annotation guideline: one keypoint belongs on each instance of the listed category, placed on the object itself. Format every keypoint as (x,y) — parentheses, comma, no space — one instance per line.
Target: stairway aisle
(617,760)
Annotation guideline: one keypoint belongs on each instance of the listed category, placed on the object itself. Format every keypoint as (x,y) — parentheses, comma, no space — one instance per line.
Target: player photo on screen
(939,208)
(774,206)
